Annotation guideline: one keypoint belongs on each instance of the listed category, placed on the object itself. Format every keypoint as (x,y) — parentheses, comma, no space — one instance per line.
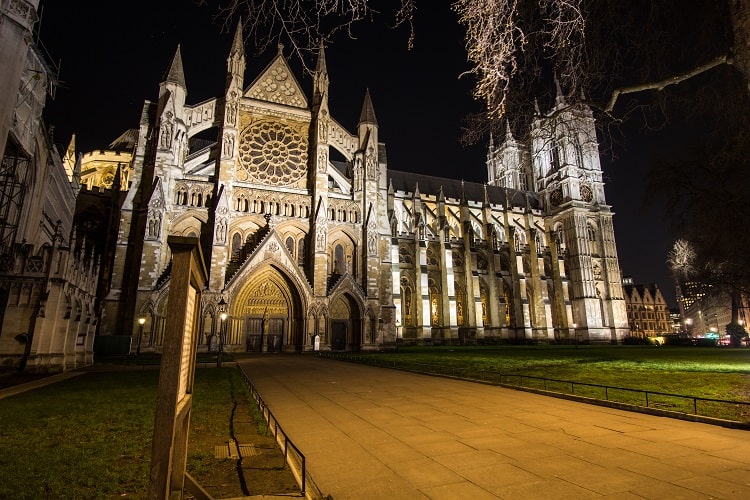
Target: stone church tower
(306,252)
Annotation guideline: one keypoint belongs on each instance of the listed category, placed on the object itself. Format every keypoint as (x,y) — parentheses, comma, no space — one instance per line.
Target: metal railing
(735,411)
(292,455)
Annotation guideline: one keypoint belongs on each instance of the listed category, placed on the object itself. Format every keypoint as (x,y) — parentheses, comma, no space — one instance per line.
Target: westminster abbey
(311,240)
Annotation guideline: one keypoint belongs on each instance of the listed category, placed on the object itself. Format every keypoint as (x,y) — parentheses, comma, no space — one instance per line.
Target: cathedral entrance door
(338,335)
(346,324)
(268,307)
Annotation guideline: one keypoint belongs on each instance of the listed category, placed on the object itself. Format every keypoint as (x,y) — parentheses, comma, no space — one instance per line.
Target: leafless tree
(681,259)
(305,24)
(599,52)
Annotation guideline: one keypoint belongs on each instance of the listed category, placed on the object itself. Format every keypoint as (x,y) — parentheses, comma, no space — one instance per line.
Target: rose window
(272,153)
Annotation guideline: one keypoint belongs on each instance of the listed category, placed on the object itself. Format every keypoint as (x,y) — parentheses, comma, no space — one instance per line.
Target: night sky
(111,61)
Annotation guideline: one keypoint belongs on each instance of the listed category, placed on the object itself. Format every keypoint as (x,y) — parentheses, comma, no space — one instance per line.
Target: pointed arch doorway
(267,311)
(346,324)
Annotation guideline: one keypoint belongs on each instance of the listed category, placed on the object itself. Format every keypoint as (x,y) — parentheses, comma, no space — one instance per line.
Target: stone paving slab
(372,433)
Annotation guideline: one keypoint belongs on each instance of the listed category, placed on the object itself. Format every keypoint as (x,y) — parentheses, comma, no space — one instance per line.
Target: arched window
(539,242)
(290,245)
(236,245)
(339,262)
(406,302)
(301,251)
(181,197)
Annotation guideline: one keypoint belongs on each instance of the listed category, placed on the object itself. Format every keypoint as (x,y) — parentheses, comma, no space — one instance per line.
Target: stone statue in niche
(320,239)
(221,231)
(322,161)
(370,163)
(167,129)
(323,130)
(228,145)
(232,108)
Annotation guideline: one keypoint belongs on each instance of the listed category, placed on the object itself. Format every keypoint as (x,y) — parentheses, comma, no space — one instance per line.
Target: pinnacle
(176,74)
(368,113)
(238,46)
(321,66)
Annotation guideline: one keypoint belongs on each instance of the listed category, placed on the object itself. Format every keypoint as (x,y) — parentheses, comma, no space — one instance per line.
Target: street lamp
(575,334)
(398,331)
(141,321)
(222,327)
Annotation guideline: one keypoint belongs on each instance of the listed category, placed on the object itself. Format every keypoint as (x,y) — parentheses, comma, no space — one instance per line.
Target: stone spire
(368,113)
(560,99)
(238,45)
(236,58)
(176,74)
(508,132)
(321,67)
(320,82)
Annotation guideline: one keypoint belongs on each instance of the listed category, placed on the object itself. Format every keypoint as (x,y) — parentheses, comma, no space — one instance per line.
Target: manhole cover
(230,450)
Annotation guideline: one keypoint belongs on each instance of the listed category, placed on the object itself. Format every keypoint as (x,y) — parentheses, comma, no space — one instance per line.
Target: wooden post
(176,375)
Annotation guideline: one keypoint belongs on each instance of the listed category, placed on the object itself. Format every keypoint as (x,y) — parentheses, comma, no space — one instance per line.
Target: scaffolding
(14,172)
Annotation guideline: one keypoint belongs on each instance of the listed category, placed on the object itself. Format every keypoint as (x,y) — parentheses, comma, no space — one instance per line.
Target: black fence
(292,455)
(735,411)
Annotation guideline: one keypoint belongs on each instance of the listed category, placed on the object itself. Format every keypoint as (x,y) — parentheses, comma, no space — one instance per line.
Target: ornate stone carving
(166,131)
(221,231)
(272,153)
(277,85)
(323,127)
(22,11)
(231,113)
(370,164)
(322,162)
(153,225)
(320,238)
(372,239)
(228,148)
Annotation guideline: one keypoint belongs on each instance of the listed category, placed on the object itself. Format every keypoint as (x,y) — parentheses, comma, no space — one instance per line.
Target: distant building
(648,314)
(712,313)
(48,276)
(677,323)
(688,293)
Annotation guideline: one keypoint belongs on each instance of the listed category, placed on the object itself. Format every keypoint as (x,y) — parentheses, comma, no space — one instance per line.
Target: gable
(277,84)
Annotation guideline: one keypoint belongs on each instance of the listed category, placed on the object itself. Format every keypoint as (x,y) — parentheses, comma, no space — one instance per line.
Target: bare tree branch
(660,85)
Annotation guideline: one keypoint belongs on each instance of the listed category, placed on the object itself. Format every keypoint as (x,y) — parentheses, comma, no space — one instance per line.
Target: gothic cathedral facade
(308,252)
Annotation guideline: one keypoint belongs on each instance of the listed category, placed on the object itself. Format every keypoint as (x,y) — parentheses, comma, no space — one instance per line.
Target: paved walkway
(373,433)
(35,384)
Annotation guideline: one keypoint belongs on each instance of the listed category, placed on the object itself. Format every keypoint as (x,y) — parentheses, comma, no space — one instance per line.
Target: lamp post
(141,321)
(398,331)
(222,327)
(575,335)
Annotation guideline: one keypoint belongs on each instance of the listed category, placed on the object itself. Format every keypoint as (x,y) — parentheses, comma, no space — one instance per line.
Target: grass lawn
(90,437)
(717,373)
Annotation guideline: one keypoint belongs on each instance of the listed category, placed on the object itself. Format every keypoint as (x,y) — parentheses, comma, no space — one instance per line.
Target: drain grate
(230,450)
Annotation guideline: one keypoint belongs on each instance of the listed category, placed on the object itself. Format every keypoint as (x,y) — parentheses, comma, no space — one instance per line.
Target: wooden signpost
(176,376)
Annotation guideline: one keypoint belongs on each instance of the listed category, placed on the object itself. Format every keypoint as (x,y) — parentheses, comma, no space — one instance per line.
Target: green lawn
(90,437)
(717,373)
